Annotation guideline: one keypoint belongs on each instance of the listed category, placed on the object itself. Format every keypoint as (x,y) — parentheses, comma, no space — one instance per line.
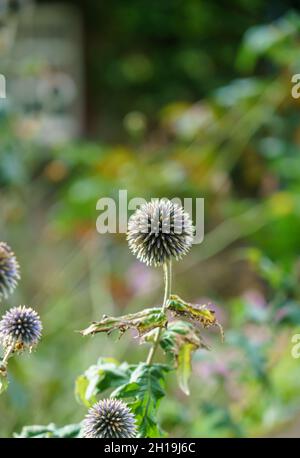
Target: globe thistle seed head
(158,231)
(9,270)
(20,326)
(111,419)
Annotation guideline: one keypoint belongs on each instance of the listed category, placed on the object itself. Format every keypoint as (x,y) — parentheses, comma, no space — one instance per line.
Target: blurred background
(176,98)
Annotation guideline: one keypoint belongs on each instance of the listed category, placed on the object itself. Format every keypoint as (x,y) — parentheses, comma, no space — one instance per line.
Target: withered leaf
(196,314)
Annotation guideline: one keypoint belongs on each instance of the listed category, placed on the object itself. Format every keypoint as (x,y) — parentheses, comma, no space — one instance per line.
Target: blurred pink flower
(255,298)
(141,279)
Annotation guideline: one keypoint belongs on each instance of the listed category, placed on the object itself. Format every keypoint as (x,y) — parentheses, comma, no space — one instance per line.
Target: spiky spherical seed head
(111,419)
(9,270)
(158,231)
(21,327)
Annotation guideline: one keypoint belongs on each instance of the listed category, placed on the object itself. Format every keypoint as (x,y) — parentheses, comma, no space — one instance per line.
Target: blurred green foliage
(190,99)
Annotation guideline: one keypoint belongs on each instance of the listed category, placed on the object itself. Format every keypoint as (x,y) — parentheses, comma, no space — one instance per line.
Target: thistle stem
(168,281)
(3,364)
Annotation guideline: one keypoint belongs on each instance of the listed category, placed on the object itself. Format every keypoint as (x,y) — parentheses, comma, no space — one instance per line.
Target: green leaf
(180,340)
(178,333)
(82,394)
(143,393)
(142,321)
(50,431)
(106,374)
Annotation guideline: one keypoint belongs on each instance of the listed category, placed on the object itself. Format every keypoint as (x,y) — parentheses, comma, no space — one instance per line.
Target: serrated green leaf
(143,393)
(49,431)
(69,431)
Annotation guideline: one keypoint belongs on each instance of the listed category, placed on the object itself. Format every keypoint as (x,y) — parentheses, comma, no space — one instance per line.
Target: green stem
(168,280)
